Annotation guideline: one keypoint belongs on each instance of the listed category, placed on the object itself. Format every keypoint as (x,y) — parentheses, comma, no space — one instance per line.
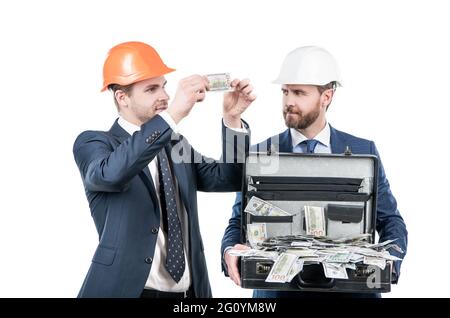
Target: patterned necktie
(175,253)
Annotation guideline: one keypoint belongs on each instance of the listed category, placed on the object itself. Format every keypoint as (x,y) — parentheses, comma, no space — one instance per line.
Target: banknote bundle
(291,253)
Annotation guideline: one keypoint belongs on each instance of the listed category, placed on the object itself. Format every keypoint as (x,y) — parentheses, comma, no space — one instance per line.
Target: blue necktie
(310,145)
(175,264)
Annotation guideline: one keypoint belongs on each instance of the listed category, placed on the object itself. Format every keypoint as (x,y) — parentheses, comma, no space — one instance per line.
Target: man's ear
(121,98)
(327,97)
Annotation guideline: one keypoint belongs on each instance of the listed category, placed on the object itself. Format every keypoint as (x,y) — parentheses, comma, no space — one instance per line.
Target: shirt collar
(323,136)
(127,126)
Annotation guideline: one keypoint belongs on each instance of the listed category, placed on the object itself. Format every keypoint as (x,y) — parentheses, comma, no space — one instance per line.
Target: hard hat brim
(137,78)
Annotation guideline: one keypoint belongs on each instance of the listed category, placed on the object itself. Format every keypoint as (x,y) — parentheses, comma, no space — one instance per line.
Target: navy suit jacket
(389,223)
(125,209)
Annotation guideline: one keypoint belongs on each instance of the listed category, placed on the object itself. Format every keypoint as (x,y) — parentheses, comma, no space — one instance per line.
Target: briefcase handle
(312,276)
(304,284)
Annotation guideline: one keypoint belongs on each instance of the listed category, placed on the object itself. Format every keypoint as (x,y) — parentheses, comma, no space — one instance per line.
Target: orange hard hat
(131,62)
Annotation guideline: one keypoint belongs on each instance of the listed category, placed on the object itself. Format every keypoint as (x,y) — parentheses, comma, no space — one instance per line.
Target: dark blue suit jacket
(125,209)
(389,224)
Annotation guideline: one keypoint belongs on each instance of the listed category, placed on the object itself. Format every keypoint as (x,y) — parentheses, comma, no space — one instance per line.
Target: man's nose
(164,95)
(289,101)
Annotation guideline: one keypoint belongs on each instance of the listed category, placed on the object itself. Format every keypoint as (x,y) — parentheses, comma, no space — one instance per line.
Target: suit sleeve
(232,233)
(390,224)
(224,175)
(106,169)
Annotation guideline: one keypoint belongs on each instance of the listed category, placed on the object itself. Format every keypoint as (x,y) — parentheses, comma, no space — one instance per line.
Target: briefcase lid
(281,171)
(311,165)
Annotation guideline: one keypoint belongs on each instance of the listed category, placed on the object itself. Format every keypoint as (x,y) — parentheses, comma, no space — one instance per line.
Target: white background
(394,57)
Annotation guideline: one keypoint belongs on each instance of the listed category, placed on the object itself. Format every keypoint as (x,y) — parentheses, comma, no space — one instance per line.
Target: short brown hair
(323,88)
(116,87)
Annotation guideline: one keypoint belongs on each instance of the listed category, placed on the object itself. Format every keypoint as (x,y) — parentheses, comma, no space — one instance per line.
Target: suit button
(147,140)
(154,230)
(148,260)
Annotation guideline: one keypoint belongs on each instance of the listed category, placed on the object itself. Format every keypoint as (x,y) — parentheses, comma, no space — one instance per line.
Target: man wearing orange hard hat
(141,178)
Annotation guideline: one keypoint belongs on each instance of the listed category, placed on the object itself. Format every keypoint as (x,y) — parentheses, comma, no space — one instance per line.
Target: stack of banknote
(291,253)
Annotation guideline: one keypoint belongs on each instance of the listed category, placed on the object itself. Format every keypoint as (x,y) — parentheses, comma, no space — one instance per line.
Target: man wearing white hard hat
(309,77)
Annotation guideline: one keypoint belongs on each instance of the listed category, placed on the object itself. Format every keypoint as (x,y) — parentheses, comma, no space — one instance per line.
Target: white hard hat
(309,65)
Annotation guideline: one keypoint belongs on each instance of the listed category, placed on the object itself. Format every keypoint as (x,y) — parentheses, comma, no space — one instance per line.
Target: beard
(145,114)
(298,120)
(160,105)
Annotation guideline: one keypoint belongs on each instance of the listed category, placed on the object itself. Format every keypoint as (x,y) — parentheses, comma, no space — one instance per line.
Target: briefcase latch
(348,151)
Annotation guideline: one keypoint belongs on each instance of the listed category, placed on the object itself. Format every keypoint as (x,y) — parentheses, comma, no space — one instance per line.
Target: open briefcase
(344,187)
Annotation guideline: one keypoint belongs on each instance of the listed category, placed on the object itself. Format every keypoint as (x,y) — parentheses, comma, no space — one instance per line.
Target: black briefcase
(344,185)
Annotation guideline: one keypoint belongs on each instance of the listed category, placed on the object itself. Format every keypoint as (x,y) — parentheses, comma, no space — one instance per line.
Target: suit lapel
(148,181)
(120,135)
(118,132)
(337,143)
(285,141)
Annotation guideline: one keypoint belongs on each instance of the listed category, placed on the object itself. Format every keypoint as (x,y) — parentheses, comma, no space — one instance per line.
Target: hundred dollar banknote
(257,206)
(334,271)
(219,82)
(315,220)
(256,233)
(281,269)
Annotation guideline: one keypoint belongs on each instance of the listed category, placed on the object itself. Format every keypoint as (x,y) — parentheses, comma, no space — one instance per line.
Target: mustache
(161,104)
(290,109)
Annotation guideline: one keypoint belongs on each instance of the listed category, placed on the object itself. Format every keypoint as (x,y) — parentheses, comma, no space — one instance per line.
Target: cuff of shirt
(240,130)
(228,247)
(169,120)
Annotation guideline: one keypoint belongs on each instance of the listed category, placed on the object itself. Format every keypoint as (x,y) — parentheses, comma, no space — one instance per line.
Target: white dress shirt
(323,146)
(323,138)
(159,278)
